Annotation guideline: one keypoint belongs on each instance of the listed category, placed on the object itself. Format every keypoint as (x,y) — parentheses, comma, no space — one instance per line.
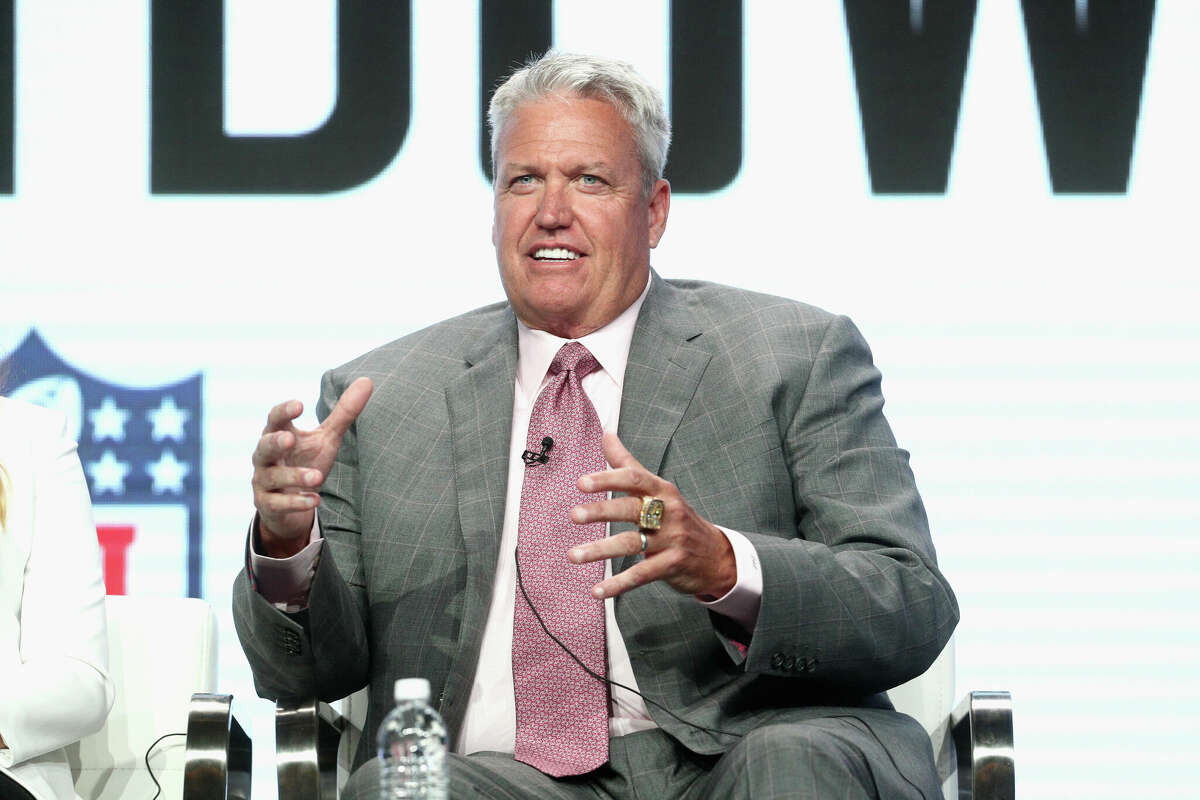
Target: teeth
(556,254)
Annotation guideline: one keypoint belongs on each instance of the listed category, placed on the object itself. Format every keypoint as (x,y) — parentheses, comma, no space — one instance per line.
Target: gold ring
(650,518)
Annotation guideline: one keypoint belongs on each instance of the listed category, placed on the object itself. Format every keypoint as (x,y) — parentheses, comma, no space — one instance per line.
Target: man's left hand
(688,552)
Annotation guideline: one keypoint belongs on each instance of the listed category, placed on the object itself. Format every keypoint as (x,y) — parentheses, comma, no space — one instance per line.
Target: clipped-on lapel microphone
(532,459)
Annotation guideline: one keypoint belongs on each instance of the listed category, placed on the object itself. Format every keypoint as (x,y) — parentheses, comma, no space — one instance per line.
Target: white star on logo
(168,420)
(108,474)
(168,474)
(108,421)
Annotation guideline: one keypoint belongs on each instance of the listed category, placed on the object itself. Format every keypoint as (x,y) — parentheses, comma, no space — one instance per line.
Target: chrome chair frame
(218,752)
(982,727)
(307,734)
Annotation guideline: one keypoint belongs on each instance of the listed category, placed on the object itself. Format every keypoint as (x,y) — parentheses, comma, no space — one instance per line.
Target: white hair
(594,78)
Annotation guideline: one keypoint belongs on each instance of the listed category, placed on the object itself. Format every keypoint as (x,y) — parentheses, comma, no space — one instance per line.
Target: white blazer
(54,686)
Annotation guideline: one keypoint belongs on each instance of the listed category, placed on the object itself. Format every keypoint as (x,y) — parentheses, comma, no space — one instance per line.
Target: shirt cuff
(285,582)
(741,603)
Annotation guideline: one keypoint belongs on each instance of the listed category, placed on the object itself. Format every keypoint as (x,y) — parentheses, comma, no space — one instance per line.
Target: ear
(659,208)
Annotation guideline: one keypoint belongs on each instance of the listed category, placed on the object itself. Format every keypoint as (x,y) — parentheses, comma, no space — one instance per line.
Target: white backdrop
(1041,353)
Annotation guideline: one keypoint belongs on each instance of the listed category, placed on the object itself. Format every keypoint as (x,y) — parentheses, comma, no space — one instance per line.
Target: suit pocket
(736,477)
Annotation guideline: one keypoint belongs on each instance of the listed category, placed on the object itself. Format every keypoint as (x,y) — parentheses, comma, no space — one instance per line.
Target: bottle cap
(411,689)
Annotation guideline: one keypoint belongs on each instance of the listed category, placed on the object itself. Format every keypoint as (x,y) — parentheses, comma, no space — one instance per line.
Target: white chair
(162,655)
(972,743)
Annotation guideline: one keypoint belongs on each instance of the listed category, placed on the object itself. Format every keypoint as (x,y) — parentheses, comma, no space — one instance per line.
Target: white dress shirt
(490,721)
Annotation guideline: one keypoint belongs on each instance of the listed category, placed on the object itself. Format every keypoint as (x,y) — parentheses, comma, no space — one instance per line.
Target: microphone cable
(601,678)
(157,785)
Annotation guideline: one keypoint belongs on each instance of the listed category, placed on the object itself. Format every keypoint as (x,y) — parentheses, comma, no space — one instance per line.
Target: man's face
(573,229)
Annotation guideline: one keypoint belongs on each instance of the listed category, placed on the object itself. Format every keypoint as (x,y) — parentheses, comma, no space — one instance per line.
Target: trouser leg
(838,758)
(498,776)
(483,776)
(830,759)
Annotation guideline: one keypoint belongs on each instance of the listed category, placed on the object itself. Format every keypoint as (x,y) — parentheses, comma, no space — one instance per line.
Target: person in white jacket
(54,685)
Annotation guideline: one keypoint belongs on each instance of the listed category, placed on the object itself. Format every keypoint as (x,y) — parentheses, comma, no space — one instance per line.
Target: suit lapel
(480,406)
(664,369)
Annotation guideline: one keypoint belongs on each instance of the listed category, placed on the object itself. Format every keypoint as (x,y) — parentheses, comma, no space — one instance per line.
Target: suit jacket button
(288,640)
(789,663)
(777,660)
(801,664)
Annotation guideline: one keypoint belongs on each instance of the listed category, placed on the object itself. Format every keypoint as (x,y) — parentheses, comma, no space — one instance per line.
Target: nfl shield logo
(141,453)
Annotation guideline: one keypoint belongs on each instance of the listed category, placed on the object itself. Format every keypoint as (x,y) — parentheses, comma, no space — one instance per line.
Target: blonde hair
(3,497)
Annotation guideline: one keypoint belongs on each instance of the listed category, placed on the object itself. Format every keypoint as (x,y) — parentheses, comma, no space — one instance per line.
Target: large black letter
(8,136)
(706,80)
(189,150)
(1088,63)
(510,31)
(909,63)
(706,94)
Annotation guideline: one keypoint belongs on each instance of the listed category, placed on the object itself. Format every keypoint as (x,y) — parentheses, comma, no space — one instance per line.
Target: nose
(554,210)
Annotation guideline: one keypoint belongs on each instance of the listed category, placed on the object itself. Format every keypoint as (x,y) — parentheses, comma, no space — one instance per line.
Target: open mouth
(555,254)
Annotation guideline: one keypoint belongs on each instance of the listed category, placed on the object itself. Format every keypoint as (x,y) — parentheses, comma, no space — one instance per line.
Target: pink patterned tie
(562,712)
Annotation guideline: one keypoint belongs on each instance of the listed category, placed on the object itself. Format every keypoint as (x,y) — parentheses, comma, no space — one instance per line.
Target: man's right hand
(290,465)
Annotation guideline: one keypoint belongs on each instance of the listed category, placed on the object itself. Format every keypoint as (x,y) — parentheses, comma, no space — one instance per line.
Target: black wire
(601,678)
(157,785)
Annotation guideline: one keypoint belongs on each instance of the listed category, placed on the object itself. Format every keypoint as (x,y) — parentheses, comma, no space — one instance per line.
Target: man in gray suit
(791,582)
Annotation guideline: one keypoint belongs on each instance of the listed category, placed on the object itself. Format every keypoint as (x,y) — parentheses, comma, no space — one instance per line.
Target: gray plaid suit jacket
(766,413)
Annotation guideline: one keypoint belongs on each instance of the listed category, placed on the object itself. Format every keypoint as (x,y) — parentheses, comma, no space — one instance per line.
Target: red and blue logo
(141,449)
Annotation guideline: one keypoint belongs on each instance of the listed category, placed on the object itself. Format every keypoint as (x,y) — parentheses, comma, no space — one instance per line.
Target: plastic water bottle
(412,746)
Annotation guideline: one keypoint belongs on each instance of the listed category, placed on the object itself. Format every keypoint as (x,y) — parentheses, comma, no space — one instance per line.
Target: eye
(589,180)
(523,184)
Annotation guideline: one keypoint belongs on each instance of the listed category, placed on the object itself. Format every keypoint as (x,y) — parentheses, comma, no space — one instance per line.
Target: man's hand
(691,554)
(290,465)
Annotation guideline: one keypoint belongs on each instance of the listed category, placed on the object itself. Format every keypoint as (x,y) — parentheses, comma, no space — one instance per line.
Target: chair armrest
(983,738)
(307,732)
(218,751)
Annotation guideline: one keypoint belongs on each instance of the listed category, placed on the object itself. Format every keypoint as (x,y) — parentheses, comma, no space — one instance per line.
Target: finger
(618,509)
(646,571)
(617,546)
(349,406)
(616,454)
(635,480)
(272,447)
(275,503)
(274,479)
(280,417)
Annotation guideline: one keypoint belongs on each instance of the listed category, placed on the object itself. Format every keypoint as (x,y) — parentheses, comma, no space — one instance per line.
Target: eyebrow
(577,169)
(511,167)
(594,166)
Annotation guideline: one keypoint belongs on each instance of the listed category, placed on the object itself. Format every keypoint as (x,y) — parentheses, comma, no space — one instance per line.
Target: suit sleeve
(321,651)
(59,690)
(856,600)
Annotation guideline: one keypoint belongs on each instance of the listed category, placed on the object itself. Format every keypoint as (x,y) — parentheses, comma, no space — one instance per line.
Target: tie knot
(573,356)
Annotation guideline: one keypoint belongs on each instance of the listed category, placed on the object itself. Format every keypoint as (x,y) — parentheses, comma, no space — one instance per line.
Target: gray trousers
(836,757)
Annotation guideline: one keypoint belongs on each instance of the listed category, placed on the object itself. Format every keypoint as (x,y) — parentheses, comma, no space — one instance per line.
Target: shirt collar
(610,346)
